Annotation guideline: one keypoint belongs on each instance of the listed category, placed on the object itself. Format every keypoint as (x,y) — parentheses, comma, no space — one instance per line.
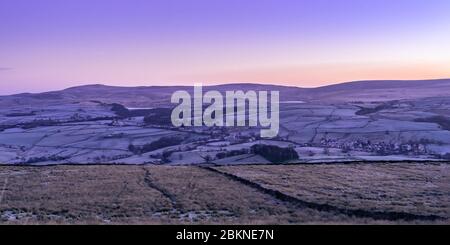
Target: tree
(208,159)
(165,156)
(132,148)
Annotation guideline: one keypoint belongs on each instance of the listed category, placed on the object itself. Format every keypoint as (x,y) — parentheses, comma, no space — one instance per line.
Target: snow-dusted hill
(159,95)
(368,120)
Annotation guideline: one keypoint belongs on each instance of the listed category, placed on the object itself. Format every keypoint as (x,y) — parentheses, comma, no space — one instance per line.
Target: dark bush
(131,148)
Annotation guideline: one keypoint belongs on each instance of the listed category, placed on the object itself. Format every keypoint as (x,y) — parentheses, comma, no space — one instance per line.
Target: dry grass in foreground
(412,188)
(194,195)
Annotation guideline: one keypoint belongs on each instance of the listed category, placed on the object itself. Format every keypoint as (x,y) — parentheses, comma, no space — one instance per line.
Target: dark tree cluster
(155,145)
(366,111)
(446,156)
(232,153)
(123,112)
(442,121)
(120,110)
(46,159)
(39,123)
(21,114)
(159,116)
(275,154)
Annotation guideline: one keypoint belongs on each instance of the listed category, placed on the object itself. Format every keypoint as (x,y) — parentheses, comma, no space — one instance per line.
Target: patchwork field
(246,194)
(87,133)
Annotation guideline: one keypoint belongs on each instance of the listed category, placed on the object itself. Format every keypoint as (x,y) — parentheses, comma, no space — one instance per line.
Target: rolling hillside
(160,95)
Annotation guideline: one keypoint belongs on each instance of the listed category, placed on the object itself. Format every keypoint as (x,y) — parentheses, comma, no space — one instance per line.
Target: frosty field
(110,155)
(403,193)
(92,132)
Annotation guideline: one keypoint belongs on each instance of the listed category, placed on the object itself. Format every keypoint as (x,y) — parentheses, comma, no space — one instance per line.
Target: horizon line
(230,83)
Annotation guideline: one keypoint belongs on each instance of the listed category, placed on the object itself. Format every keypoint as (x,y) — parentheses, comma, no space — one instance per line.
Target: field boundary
(428,161)
(150,183)
(361,213)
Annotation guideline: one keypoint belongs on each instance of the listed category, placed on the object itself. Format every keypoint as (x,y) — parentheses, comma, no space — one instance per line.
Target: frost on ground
(195,195)
(91,132)
(415,188)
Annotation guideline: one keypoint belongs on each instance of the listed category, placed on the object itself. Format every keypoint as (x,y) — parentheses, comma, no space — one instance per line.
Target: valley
(84,132)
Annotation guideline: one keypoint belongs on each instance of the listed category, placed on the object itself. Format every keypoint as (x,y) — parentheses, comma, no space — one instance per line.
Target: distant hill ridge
(383,90)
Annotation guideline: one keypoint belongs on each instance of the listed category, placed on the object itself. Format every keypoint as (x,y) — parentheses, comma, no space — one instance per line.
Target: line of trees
(442,121)
(275,154)
(157,144)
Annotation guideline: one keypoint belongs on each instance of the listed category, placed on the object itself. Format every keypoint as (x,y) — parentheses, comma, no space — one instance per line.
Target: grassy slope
(173,195)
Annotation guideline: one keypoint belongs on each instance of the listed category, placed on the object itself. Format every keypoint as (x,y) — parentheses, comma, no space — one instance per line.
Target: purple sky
(53,44)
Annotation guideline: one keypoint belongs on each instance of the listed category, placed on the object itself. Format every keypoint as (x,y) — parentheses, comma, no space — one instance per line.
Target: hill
(152,96)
